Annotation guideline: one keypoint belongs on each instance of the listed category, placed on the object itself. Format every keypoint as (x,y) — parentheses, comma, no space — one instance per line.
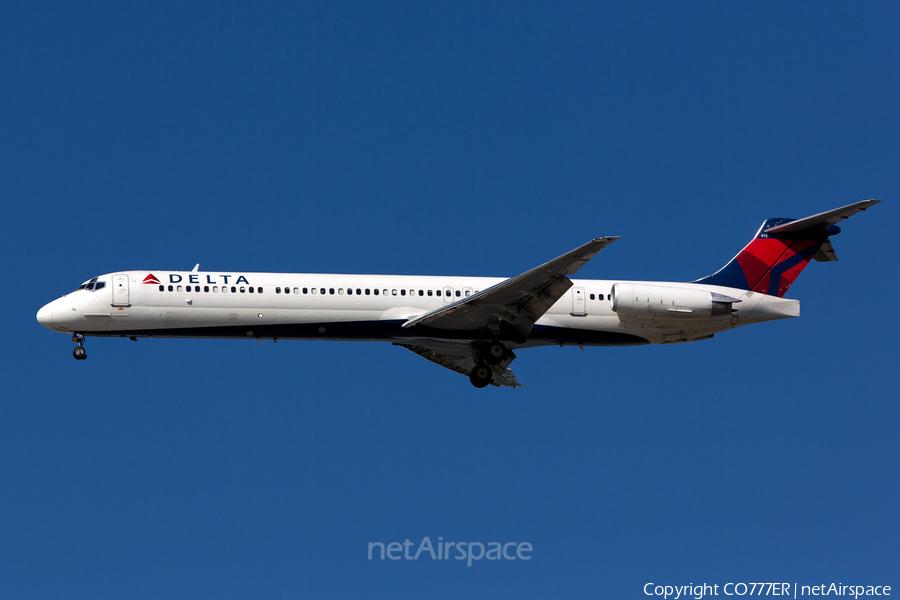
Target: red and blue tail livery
(781,249)
(469,325)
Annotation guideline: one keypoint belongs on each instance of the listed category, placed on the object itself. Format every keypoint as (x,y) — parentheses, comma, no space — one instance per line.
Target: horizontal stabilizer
(826,252)
(781,249)
(822,220)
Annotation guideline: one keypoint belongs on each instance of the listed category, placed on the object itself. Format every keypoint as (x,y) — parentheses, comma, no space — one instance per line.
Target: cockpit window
(91,285)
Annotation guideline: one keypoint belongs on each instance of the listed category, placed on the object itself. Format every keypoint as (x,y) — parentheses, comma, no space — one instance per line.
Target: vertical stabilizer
(781,249)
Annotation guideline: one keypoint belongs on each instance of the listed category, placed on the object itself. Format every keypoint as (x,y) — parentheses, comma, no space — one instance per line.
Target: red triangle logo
(151,278)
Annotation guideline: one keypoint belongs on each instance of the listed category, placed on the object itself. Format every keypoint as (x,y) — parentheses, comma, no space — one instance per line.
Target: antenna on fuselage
(196,268)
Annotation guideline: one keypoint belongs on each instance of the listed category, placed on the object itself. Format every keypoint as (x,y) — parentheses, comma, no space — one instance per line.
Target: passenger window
(243,289)
(600,296)
(358,291)
(234,289)
(315,291)
(429,292)
(421,293)
(349,291)
(468,293)
(367,291)
(215,289)
(162,288)
(340,291)
(205,288)
(259,290)
(457,294)
(438,292)
(178,288)
(393,292)
(376,292)
(402,292)
(322,291)
(331,291)
(278,290)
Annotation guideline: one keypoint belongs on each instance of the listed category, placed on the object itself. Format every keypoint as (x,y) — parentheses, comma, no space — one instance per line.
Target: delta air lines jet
(471,325)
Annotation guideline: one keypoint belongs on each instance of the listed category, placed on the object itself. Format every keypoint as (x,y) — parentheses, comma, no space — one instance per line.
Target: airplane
(471,325)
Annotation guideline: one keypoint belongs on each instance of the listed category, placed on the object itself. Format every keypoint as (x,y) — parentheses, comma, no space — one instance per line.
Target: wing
(515,304)
(462,362)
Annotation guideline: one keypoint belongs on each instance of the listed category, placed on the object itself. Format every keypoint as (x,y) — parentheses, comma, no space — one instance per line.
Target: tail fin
(781,249)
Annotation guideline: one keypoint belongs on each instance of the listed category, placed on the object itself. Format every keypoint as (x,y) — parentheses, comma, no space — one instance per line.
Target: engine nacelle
(662,302)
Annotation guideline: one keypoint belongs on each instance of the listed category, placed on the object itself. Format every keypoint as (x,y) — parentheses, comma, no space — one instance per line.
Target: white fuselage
(368,307)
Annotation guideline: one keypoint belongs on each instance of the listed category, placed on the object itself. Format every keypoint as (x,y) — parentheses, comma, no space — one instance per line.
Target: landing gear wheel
(481,375)
(79,353)
(494,353)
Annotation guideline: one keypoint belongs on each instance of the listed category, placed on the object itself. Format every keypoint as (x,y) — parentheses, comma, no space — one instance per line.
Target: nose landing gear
(79,352)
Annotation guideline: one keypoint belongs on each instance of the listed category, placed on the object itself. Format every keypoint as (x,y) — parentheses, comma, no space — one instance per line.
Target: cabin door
(120,291)
(578,302)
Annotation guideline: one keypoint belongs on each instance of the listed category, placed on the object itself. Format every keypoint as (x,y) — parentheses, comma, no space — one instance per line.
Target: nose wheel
(79,352)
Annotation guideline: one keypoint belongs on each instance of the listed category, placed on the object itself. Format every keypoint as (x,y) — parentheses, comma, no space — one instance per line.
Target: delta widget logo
(151,278)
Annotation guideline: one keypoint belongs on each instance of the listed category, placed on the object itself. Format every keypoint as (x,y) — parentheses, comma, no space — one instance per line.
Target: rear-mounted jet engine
(658,301)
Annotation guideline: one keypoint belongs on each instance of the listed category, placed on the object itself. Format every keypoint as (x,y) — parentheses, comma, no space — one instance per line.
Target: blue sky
(447,139)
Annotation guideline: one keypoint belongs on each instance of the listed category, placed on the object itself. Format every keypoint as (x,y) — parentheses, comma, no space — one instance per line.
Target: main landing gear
(79,352)
(481,375)
(490,356)
(494,353)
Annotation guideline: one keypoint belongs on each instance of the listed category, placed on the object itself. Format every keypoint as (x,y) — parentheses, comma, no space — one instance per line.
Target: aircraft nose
(45,316)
